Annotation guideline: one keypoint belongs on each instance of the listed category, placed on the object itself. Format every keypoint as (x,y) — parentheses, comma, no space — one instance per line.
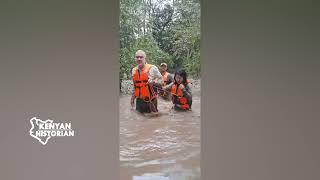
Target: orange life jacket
(178,97)
(140,79)
(166,78)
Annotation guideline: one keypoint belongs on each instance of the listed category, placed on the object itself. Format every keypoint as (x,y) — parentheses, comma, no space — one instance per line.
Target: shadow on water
(163,147)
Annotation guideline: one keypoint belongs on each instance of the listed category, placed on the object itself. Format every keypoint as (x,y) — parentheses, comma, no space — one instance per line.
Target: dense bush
(167,31)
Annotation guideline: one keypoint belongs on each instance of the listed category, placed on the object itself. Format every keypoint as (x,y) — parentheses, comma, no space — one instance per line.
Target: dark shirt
(170,78)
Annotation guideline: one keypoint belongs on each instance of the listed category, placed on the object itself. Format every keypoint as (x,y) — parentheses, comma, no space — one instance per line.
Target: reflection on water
(164,147)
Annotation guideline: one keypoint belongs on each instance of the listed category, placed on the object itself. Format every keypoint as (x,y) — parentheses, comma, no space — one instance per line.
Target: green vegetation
(167,30)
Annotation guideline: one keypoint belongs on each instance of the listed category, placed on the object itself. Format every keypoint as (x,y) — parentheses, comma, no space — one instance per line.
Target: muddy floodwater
(164,147)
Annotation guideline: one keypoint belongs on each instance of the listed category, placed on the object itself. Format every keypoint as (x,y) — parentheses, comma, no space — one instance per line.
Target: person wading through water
(145,77)
(181,91)
(167,79)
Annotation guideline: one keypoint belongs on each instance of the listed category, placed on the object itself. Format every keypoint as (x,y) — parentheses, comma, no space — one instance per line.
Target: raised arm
(169,86)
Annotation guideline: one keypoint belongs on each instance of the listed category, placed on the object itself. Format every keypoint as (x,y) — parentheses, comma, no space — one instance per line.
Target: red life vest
(140,79)
(179,97)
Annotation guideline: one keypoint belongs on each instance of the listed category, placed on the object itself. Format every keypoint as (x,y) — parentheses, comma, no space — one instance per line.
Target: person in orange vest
(181,91)
(145,77)
(167,79)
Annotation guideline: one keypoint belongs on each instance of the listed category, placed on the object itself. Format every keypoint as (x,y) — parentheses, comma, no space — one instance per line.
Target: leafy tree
(168,30)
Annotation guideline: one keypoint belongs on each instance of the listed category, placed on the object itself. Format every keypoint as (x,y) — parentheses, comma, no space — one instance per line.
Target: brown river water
(166,147)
